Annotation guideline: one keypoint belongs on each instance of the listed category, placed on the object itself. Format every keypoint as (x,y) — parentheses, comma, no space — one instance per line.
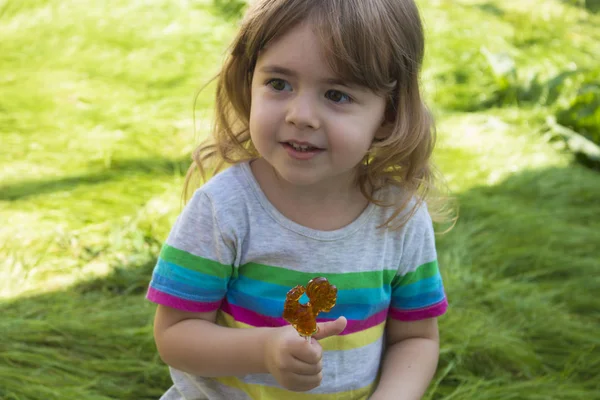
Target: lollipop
(303,317)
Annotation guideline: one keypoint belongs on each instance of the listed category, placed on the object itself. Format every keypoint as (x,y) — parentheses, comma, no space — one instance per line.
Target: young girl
(320,117)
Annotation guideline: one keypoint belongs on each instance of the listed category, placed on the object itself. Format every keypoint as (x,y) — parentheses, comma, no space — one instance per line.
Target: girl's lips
(299,154)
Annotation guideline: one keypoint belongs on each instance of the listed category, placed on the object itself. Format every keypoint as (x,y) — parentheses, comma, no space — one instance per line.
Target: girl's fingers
(332,328)
(305,382)
(307,352)
(300,367)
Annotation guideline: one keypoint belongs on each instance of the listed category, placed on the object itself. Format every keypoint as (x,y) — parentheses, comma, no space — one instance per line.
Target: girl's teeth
(301,147)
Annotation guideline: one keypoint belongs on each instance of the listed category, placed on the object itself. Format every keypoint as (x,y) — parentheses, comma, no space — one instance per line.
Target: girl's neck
(326,206)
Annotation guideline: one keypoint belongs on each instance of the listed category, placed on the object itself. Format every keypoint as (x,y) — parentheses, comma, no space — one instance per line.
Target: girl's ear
(387,124)
(385,129)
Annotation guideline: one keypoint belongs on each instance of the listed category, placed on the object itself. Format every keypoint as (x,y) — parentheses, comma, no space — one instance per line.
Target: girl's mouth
(301,151)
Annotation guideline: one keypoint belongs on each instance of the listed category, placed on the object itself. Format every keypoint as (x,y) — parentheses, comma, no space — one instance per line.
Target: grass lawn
(96,124)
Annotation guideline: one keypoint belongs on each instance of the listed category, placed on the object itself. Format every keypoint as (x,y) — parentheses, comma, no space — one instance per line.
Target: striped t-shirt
(232,250)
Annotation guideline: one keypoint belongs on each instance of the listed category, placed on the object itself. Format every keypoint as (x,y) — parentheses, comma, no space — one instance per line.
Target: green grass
(96,127)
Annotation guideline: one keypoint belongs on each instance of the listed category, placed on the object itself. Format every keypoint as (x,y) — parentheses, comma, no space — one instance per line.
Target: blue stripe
(179,275)
(419,301)
(257,288)
(274,308)
(273,291)
(426,285)
(185,291)
(261,297)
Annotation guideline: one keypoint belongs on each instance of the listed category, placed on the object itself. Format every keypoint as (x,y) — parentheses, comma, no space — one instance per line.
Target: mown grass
(96,127)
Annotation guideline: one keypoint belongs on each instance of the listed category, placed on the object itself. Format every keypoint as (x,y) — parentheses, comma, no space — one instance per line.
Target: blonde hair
(378,44)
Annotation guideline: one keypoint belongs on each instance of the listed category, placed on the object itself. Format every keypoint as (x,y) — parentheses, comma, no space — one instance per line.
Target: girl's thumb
(330,328)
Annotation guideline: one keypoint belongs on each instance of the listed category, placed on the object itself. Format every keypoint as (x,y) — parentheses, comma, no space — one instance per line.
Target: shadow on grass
(519,270)
(541,227)
(592,5)
(93,341)
(118,170)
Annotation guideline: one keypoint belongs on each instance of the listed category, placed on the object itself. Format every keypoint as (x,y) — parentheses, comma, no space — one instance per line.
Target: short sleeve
(417,289)
(195,263)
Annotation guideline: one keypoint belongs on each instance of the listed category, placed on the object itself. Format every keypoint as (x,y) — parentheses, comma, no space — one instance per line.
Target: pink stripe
(168,300)
(421,313)
(252,318)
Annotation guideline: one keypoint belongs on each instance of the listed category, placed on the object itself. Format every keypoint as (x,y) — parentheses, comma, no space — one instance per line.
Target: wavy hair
(377,44)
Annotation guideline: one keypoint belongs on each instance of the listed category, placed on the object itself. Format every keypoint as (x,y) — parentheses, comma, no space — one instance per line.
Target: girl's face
(311,126)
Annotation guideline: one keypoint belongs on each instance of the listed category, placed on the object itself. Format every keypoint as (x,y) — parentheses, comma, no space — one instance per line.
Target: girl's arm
(194,343)
(410,360)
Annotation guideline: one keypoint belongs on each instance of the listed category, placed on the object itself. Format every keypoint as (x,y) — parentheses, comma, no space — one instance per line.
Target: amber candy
(303,317)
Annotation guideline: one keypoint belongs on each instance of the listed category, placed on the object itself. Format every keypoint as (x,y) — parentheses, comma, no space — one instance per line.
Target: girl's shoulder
(225,185)
(227,194)
(407,208)
(402,212)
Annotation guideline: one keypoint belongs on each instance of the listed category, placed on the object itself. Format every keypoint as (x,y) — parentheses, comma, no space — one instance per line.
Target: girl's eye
(279,85)
(338,97)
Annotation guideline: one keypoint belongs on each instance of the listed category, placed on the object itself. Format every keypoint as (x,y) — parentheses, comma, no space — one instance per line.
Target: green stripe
(345,280)
(424,271)
(195,263)
(286,277)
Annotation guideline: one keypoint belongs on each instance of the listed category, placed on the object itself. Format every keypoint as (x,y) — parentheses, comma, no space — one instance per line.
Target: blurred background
(96,129)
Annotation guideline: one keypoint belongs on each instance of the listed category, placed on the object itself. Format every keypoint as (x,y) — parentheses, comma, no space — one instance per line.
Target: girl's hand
(294,362)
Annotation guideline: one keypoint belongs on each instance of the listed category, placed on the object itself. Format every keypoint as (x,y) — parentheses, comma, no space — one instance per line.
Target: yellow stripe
(332,343)
(260,392)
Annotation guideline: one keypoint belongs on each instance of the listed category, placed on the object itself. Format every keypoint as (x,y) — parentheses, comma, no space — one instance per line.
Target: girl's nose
(302,113)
